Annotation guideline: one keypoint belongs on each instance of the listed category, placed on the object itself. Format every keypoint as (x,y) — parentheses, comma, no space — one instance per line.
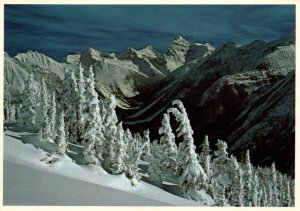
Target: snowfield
(30,181)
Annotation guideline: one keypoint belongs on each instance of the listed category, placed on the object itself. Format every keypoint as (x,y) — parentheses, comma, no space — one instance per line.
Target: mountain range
(243,94)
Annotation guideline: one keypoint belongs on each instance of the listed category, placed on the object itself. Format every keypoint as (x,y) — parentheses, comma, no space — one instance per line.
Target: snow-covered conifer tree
(275,191)
(52,113)
(81,99)
(60,137)
(236,196)
(292,192)
(154,170)
(255,191)
(110,132)
(270,193)
(205,158)
(29,103)
(205,147)
(280,188)
(118,165)
(287,195)
(219,193)
(70,93)
(146,145)
(221,169)
(7,109)
(191,175)
(132,158)
(168,146)
(127,137)
(92,134)
(264,197)
(247,180)
(45,120)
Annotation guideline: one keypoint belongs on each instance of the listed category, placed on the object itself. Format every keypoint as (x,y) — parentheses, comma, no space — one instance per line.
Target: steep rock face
(145,61)
(199,51)
(266,126)
(175,57)
(229,91)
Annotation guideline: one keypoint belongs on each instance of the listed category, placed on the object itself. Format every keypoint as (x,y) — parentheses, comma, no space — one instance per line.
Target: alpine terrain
(194,126)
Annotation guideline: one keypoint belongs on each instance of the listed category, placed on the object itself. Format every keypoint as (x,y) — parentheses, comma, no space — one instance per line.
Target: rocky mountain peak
(179,40)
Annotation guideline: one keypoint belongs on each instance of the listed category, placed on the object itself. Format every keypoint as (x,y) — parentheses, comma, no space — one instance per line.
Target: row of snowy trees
(227,181)
(80,117)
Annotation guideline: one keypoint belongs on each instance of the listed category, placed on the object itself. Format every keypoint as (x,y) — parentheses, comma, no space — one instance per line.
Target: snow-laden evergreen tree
(219,193)
(146,146)
(139,139)
(221,169)
(292,192)
(205,158)
(60,137)
(45,120)
(191,176)
(168,146)
(93,134)
(29,102)
(81,98)
(127,137)
(275,199)
(6,113)
(7,99)
(10,111)
(205,147)
(110,132)
(118,165)
(70,93)
(280,188)
(52,112)
(255,191)
(154,170)
(7,108)
(247,180)
(132,158)
(270,193)
(287,195)
(264,197)
(236,195)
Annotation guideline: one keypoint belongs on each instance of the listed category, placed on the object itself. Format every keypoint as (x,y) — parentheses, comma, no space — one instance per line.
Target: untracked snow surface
(30,181)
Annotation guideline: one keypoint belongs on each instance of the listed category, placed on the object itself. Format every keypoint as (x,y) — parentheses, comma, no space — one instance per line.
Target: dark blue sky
(57,30)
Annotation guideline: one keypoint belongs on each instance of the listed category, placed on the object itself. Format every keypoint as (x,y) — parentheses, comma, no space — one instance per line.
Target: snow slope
(29,181)
(34,58)
(18,68)
(14,76)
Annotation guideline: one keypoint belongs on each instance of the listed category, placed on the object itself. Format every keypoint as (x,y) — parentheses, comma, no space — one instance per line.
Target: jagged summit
(149,51)
(180,41)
